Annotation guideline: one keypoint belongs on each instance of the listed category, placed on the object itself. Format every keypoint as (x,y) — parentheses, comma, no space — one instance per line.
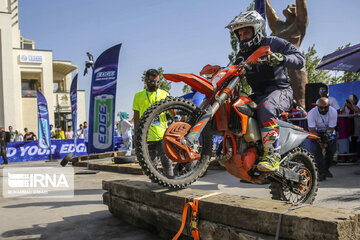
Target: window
(58,86)
(28,46)
(29,87)
(27,43)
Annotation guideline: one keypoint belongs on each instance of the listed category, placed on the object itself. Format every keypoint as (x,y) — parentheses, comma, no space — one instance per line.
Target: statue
(293,30)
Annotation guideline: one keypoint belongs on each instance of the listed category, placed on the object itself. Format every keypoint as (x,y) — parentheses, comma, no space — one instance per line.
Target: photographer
(322,121)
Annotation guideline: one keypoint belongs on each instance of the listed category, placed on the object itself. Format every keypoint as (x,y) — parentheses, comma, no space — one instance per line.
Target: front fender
(198,83)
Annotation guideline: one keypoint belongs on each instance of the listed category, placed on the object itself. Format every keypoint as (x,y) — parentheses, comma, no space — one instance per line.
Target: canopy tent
(347,59)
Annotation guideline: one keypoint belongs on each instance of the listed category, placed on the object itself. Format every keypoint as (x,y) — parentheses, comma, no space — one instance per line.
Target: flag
(73,99)
(260,8)
(43,122)
(102,101)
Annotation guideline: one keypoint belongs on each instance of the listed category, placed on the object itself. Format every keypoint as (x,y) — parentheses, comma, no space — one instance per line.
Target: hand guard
(274,59)
(210,69)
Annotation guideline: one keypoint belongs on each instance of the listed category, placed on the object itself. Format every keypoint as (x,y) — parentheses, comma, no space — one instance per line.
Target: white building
(25,69)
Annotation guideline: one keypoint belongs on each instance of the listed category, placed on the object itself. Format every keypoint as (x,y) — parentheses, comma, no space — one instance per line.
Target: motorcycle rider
(270,82)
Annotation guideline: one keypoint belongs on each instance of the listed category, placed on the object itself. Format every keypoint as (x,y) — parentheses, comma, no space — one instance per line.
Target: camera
(326,137)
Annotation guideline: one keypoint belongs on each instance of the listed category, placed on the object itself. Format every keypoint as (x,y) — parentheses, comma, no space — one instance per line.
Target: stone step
(242,215)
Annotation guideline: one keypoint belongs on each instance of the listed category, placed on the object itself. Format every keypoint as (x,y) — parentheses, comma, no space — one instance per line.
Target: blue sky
(180,36)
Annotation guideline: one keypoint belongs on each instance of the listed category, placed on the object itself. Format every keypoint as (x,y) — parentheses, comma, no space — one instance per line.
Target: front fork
(192,137)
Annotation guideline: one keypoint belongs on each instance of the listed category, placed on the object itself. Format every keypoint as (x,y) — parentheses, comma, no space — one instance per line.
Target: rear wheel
(152,127)
(303,163)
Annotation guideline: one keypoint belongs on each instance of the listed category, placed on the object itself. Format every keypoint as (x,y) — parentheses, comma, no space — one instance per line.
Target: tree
(164,84)
(186,89)
(311,61)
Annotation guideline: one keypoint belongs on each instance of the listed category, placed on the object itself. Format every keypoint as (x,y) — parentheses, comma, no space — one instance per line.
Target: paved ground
(85,217)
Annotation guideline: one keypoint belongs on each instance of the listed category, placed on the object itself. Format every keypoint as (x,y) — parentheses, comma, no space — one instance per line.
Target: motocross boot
(271,158)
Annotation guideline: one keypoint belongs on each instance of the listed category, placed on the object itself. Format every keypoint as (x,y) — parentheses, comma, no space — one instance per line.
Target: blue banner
(260,8)
(43,122)
(30,151)
(73,99)
(102,101)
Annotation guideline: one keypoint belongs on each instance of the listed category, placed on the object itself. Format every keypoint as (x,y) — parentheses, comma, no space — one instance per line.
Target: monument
(293,30)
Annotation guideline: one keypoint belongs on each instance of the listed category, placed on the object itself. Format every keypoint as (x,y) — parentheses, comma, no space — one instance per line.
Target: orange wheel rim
(303,189)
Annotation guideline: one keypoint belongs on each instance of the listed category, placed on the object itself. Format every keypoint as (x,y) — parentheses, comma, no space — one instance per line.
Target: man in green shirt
(142,101)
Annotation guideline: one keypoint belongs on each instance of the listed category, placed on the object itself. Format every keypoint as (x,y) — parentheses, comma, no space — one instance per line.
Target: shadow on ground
(97,225)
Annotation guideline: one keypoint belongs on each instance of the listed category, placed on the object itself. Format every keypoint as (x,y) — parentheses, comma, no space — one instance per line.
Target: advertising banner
(102,101)
(73,99)
(30,151)
(43,122)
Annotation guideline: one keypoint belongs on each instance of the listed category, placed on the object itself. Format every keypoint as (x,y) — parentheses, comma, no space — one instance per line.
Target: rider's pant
(270,106)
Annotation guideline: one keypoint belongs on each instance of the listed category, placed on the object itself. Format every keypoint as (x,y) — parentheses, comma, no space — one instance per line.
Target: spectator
(19,136)
(69,134)
(323,92)
(351,107)
(12,134)
(29,136)
(59,133)
(79,132)
(322,121)
(142,101)
(85,132)
(126,134)
(3,144)
(52,131)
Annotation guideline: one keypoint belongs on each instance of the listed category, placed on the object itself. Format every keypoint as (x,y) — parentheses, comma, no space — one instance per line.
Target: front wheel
(303,163)
(152,126)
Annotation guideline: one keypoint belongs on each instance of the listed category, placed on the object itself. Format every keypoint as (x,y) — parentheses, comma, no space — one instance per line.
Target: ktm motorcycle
(185,135)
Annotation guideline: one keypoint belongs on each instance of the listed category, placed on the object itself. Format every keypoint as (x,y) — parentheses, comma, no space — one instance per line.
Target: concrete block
(166,223)
(250,214)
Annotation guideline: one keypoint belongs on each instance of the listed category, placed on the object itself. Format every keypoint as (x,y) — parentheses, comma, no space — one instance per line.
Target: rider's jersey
(263,78)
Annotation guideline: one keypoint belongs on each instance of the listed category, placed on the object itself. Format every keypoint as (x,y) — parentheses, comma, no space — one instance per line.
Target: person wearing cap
(142,101)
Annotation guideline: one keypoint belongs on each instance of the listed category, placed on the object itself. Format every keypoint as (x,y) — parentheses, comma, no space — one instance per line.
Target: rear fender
(198,83)
(290,138)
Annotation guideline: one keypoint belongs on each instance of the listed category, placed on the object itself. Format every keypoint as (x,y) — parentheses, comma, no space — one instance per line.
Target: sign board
(29,58)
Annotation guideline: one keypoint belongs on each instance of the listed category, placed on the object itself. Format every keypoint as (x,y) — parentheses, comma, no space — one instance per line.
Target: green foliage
(312,60)
(251,6)
(234,46)
(164,84)
(186,89)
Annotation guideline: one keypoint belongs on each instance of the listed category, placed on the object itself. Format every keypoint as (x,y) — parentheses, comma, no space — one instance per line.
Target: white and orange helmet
(249,19)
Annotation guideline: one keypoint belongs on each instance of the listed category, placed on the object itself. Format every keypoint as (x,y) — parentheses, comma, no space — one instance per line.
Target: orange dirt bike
(186,132)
